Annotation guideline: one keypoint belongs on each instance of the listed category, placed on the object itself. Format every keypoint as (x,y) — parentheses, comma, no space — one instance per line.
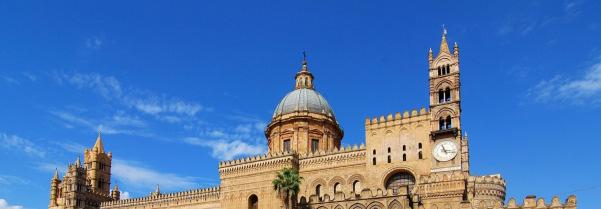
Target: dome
(303,99)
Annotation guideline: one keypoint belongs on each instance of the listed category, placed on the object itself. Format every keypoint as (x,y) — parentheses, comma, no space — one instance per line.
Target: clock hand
(443,149)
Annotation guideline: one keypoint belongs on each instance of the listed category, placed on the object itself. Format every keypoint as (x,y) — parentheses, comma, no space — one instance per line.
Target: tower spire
(55,177)
(444,47)
(98,146)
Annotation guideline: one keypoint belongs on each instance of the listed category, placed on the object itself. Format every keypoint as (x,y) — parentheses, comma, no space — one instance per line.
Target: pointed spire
(456,49)
(116,188)
(430,55)
(98,146)
(157,191)
(444,47)
(78,162)
(55,177)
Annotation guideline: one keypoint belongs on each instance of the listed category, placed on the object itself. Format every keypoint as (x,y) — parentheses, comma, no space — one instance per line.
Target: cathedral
(416,159)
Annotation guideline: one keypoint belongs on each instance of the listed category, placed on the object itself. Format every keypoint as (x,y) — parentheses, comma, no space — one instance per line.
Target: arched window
(447,95)
(356,186)
(419,145)
(388,149)
(400,181)
(404,147)
(404,157)
(439,71)
(374,152)
(448,122)
(253,202)
(441,124)
(337,187)
(448,69)
(389,160)
(420,156)
(440,96)
(373,161)
(318,190)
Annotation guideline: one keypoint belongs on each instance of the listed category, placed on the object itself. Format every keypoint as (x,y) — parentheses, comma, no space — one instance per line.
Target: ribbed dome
(303,100)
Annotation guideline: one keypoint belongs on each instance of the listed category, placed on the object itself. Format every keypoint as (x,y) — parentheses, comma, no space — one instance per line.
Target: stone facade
(417,159)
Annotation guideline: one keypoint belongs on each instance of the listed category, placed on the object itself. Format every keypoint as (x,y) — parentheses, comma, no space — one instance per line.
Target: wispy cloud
(15,142)
(94,42)
(4,205)
(9,80)
(119,123)
(162,107)
(227,150)
(134,174)
(7,180)
(51,167)
(585,89)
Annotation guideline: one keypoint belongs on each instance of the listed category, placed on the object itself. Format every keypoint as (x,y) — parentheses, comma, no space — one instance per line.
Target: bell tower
(98,167)
(450,149)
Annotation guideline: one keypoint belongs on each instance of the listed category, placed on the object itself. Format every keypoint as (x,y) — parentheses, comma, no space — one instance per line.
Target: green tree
(287,185)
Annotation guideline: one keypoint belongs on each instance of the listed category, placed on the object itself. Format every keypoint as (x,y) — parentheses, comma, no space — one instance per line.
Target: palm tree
(287,184)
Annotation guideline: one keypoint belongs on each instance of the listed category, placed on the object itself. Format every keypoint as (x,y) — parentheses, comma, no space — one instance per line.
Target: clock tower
(449,147)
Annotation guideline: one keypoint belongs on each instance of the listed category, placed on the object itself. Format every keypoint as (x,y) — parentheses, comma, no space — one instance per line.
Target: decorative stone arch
(322,207)
(253,201)
(318,181)
(443,84)
(445,111)
(391,171)
(333,181)
(338,207)
(442,59)
(395,204)
(376,205)
(357,206)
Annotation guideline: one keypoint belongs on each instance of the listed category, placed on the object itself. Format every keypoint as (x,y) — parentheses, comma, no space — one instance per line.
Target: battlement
(531,202)
(194,196)
(364,195)
(320,153)
(397,119)
(257,163)
(351,155)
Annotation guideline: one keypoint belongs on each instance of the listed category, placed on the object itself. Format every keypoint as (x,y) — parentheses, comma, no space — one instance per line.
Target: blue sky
(176,87)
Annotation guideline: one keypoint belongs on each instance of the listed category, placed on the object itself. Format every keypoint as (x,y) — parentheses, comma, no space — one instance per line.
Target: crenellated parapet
(350,155)
(442,185)
(531,202)
(398,119)
(169,200)
(256,164)
(487,187)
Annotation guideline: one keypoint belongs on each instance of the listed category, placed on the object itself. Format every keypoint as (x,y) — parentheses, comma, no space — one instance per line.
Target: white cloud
(227,150)
(134,174)
(581,90)
(4,205)
(124,195)
(21,144)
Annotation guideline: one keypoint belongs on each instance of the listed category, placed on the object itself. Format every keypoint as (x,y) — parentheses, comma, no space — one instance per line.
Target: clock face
(445,151)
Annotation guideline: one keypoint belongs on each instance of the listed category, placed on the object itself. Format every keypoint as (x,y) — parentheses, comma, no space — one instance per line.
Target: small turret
(304,78)
(456,50)
(54,189)
(116,194)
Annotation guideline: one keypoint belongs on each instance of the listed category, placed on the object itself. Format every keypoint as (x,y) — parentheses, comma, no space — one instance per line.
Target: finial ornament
(444,30)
